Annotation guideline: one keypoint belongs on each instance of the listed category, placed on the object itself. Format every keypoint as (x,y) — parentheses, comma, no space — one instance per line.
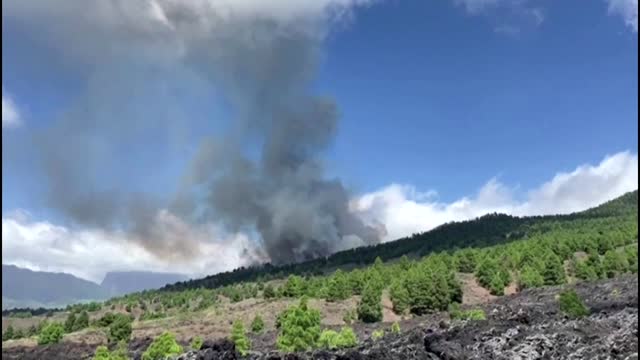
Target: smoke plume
(137,61)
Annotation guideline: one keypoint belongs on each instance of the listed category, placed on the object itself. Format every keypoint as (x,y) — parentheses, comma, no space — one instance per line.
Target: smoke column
(263,174)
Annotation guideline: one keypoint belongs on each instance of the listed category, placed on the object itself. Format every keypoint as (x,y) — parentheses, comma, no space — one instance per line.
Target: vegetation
(120,353)
(196,343)
(120,329)
(377,334)
(395,328)
(572,305)
(330,339)
(299,328)
(162,347)
(369,307)
(257,325)
(472,314)
(239,337)
(51,334)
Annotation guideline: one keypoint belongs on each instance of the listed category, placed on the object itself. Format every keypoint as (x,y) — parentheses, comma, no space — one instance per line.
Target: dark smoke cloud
(264,174)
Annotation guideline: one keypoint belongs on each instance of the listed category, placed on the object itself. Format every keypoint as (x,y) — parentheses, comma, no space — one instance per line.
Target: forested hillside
(618,216)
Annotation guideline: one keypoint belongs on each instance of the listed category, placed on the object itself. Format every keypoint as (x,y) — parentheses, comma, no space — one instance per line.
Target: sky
(446,110)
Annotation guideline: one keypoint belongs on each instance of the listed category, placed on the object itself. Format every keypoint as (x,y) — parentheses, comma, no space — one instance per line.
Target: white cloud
(628,9)
(585,187)
(41,245)
(10,114)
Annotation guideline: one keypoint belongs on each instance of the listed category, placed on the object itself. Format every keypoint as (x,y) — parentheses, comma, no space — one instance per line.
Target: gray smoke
(264,173)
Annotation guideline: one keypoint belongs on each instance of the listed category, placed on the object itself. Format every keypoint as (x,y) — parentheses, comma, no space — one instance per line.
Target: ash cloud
(264,174)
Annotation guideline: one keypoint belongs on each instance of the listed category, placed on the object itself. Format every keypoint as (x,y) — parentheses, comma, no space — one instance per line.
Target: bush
(338,287)
(51,334)
(162,347)
(8,333)
(196,343)
(294,287)
(257,325)
(120,329)
(614,263)
(106,319)
(530,278)
(299,328)
(377,334)
(369,307)
(395,328)
(428,290)
(330,339)
(553,273)
(102,353)
(572,305)
(81,322)
(349,316)
(473,314)
(69,324)
(239,337)
(269,292)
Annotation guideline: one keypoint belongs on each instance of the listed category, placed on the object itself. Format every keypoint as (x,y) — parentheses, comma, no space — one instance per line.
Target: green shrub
(51,334)
(572,305)
(269,292)
(196,343)
(239,337)
(473,314)
(428,289)
(299,328)
(8,333)
(553,273)
(294,287)
(330,339)
(102,353)
(530,278)
(338,287)
(81,322)
(369,307)
(69,324)
(395,328)
(377,334)
(399,297)
(257,325)
(106,319)
(349,316)
(614,263)
(162,347)
(120,329)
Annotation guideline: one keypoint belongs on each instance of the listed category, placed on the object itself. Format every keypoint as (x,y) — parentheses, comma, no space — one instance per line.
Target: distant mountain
(22,288)
(27,288)
(124,282)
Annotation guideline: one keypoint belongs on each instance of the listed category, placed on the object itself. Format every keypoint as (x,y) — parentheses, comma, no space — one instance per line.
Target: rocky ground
(527,325)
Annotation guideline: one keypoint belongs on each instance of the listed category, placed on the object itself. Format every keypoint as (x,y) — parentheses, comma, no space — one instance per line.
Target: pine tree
(614,263)
(338,288)
(70,322)
(257,325)
(399,296)
(299,328)
(294,287)
(530,277)
(369,308)
(81,321)
(8,333)
(239,337)
(269,292)
(553,273)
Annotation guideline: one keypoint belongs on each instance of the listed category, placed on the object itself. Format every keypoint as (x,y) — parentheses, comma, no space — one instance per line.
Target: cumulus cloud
(628,9)
(89,254)
(10,114)
(403,213)
(404,210)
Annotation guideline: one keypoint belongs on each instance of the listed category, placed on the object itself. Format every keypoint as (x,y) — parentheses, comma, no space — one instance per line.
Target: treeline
(486,231)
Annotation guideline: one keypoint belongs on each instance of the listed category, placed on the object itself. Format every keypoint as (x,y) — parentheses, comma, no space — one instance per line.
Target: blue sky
(471,99)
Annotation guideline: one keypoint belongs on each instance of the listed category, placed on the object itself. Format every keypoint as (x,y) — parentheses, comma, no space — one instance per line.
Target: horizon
(146,141)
